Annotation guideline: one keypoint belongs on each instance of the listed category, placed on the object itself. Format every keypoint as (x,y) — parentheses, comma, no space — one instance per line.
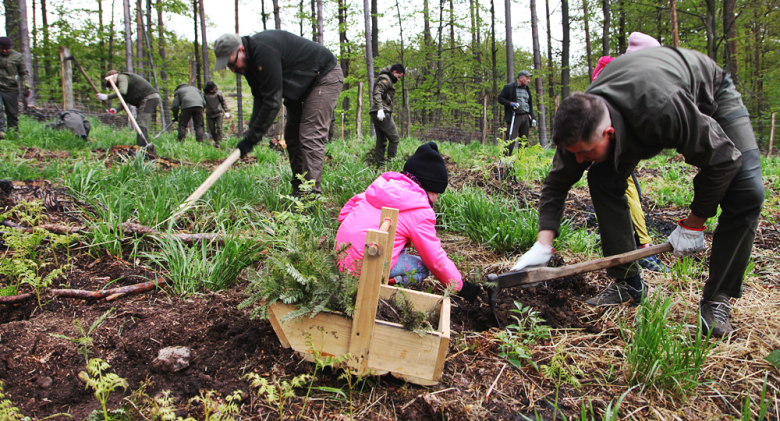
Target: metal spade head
(492,292)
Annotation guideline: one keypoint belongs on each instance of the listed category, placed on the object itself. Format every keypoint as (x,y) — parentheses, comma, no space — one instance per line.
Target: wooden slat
(420,300)
(274,319)
(393,215)
(366,302)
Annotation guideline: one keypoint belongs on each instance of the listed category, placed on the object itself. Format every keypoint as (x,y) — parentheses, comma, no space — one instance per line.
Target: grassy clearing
(678,373)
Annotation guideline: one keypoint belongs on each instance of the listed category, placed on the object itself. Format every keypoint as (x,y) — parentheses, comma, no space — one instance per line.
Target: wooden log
(54,228)
(67,79)
(133,228)
(16,299)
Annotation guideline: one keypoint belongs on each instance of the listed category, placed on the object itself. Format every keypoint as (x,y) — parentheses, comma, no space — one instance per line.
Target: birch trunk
(510,50)
(539,79)
(128,37)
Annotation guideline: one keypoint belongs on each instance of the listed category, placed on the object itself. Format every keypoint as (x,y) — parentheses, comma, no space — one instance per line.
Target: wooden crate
(377,346)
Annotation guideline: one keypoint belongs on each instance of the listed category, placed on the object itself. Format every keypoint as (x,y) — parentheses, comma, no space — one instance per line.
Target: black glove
(175,119)
(470,291)
(245,146)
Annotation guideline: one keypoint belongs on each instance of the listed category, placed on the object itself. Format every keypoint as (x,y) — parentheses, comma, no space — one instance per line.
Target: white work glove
(380,115)
(102,97)
(533,123)
(687,241)
(227,115)
(538,256)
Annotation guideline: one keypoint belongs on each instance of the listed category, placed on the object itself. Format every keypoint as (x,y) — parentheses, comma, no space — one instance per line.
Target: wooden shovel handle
(221,169)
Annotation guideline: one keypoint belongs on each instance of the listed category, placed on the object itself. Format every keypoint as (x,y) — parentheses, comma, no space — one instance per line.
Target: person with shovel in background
(216,108)
(641,104)
(11,67)
(518,109)
(191,102)
(413,192)
(280,65)
(381,112)
(138,92)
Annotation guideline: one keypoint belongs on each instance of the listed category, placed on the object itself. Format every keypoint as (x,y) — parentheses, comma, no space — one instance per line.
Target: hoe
(534,276)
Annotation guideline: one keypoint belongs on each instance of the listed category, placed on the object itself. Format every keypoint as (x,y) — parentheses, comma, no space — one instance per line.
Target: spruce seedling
(214,410)
(103,383)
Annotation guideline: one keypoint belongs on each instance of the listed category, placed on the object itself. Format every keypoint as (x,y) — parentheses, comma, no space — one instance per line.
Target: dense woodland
(456,62)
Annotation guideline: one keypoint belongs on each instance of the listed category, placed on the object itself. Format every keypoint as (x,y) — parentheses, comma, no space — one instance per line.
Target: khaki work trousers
(306,131)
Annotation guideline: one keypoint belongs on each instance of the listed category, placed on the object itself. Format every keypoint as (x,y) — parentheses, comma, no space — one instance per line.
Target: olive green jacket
(384,91)
(133,88)
(12,67)
(660,98)
(187,96)
(215,103)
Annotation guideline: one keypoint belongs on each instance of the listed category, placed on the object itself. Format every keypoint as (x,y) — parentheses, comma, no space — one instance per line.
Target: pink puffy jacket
(416,224)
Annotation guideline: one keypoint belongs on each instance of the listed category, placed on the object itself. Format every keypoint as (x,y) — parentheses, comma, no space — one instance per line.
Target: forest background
(459,53)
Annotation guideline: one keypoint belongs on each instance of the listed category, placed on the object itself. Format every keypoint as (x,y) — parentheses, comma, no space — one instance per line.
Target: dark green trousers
(385,133)
(9,103)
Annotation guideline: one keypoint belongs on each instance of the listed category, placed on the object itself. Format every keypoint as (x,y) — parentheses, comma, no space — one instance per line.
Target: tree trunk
(139,37)
(605,30)
(550,61)
(588,51)
(101,34)
(110,46)
(712,30)
(730,46)
(622,27)
(539,79)
(24,39)
(300,13)
(277,18)
(12,22)
(452,27)
(35,45)
(46,52)
(369,47)
(313,20)
(675,30)
(510,50)
(565,70)
(239,98)
(264,17)
(128,38)
(404,124)
(757,76)
(494,94)
(205,44)
(374,34)
(166,107)
(344,48)
(439,63)
(320,28)
(195,44)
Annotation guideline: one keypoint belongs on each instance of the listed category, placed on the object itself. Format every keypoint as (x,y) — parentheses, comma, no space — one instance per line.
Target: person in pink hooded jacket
(412,192)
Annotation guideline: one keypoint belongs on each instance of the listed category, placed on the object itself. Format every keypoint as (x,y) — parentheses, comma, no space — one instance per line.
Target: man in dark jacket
(641,104)
(11,67)
(191,102)
(216,108)
(138,92)
(518,102)
(278,64)
(381,112)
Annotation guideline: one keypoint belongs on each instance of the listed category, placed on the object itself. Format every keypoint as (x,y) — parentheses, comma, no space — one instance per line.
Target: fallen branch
(54,228)
(133,228)
(16,299)
(110,294)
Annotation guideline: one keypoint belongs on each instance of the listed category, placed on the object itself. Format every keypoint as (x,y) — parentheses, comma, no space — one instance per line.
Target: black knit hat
(428,167)
(5,42)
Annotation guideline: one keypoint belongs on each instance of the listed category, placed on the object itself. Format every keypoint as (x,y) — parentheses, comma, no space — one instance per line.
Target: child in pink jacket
(412,192)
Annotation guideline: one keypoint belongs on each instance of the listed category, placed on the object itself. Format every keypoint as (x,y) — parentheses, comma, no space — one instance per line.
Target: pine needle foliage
(412,319)
(304,273)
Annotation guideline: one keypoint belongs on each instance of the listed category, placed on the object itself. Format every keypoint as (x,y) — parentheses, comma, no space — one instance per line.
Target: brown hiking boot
(617,293)
(714,315)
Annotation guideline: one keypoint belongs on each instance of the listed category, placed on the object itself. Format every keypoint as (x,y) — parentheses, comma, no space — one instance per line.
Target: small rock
(44,382)
(172,359)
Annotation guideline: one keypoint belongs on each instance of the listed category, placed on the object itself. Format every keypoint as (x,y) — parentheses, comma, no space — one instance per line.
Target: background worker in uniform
(278,64)
(381,112)
(191,102)
(641,104)
(518,103)
(11,67)
(138,92)
(637,41)
(216,108)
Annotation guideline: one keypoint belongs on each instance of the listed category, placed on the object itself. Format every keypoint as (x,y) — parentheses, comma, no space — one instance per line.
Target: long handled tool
(163,130)
(97,91)
(129,114)
(221,169)
(509,139)
(536,275)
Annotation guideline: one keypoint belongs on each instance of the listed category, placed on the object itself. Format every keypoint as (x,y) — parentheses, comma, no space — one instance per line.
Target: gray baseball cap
(224,46)
(522,72)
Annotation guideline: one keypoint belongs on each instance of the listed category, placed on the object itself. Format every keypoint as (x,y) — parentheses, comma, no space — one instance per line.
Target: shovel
(537,275)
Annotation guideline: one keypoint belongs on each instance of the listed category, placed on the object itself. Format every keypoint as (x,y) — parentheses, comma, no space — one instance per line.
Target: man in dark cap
(277,65)
(518,103)
(381,112)
(138,92)
(191,102)
(641,104)
(11,68)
